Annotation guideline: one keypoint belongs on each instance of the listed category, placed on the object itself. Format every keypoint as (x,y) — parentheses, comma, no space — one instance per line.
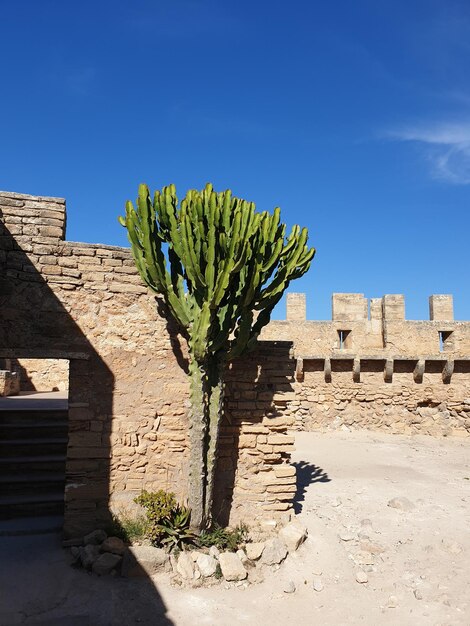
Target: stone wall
(9,383)
(128,386)
(41,374)
(370,367)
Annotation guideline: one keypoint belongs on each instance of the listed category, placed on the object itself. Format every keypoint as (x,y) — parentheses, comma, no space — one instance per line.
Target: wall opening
(40,375)
(446,341)
(345,339)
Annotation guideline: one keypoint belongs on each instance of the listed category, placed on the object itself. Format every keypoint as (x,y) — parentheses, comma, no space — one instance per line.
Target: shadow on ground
(307,474)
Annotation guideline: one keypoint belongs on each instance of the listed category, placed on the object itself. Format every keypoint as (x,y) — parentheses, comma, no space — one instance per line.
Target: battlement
(351,307)
(364,326)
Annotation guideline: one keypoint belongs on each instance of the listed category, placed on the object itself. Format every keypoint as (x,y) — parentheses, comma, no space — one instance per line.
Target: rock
(214,552)
(363,558)
(242,556)
(255,576)
(94,538)
(451,546)
(336,502)
(88,555)
(254,550)
(75,541)
(232,567)
(361,577)
(274,552)
(392,602)
(185,566)
(346,535)
(370,546)
(289,587)
(106,563)
(207,565)
(418,595)
(144,561)
(194,554)
(318,584)
(75,552)
(113,545)
(403,504)
(293,535)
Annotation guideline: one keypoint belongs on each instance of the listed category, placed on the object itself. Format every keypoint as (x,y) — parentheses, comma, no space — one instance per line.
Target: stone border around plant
(103,555)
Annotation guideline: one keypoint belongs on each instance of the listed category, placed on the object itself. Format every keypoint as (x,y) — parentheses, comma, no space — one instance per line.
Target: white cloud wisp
(448,149)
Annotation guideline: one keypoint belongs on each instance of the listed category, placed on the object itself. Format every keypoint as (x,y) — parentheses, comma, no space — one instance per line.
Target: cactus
(216,261)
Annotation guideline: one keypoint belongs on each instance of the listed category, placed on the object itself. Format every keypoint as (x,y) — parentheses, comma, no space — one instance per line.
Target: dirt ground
(415,559)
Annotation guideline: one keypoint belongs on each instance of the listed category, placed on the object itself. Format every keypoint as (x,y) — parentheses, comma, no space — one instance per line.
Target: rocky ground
(388,520)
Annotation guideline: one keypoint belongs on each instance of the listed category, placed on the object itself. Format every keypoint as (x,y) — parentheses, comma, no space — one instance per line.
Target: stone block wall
(401,406)
(41,374)
(256,443)
(371,368)
(128,387)
(9,383)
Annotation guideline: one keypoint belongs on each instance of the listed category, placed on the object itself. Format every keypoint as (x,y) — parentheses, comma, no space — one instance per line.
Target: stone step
(19,526)
(50,503)
(31,416)
(18,430)
(19,464)
(37,446)
(31,482)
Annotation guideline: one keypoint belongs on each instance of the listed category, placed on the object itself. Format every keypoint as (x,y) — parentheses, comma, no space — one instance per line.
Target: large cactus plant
(221,268)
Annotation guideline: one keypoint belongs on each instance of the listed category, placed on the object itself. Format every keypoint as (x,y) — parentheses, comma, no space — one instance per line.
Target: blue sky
(353,117)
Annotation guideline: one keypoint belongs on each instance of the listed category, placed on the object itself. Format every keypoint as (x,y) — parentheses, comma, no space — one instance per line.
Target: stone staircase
(33,447)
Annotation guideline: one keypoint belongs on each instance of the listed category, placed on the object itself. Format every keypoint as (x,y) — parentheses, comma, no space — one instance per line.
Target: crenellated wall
(84,304)
(370,367)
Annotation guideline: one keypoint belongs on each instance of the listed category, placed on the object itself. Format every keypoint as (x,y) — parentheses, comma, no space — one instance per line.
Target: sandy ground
(415,561)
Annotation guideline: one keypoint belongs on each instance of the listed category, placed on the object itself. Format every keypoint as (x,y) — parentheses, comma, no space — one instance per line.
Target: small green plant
(167,521)
(127,527)
(224,538)
(175,528)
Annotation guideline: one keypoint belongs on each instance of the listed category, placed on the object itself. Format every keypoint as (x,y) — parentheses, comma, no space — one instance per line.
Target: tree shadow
(307,474)
(257,390)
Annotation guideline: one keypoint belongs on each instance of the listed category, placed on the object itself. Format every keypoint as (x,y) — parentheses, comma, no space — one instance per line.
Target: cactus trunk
(215,414)
(197,444)
(204,425)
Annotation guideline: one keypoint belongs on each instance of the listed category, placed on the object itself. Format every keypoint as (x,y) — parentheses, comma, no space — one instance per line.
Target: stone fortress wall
(370,367)
(84,305)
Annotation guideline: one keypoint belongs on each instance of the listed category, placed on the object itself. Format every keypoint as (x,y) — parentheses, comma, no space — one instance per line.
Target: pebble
(361,577)
(403,504)
(418,595)
(317,584)
(289,587)
(392,602)
(346,535)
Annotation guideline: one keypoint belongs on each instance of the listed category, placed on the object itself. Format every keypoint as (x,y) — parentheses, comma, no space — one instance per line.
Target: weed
(224,538)
(127,527)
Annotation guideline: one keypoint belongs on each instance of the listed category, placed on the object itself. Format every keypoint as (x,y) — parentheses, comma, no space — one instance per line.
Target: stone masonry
(76,316)
(84,305)
(370,367)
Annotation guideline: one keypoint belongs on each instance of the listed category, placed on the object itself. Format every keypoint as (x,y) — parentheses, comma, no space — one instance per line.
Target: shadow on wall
(35,324)
(307,474)
(251,420)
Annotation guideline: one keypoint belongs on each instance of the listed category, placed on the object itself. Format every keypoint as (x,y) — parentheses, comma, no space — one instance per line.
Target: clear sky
(352,116)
